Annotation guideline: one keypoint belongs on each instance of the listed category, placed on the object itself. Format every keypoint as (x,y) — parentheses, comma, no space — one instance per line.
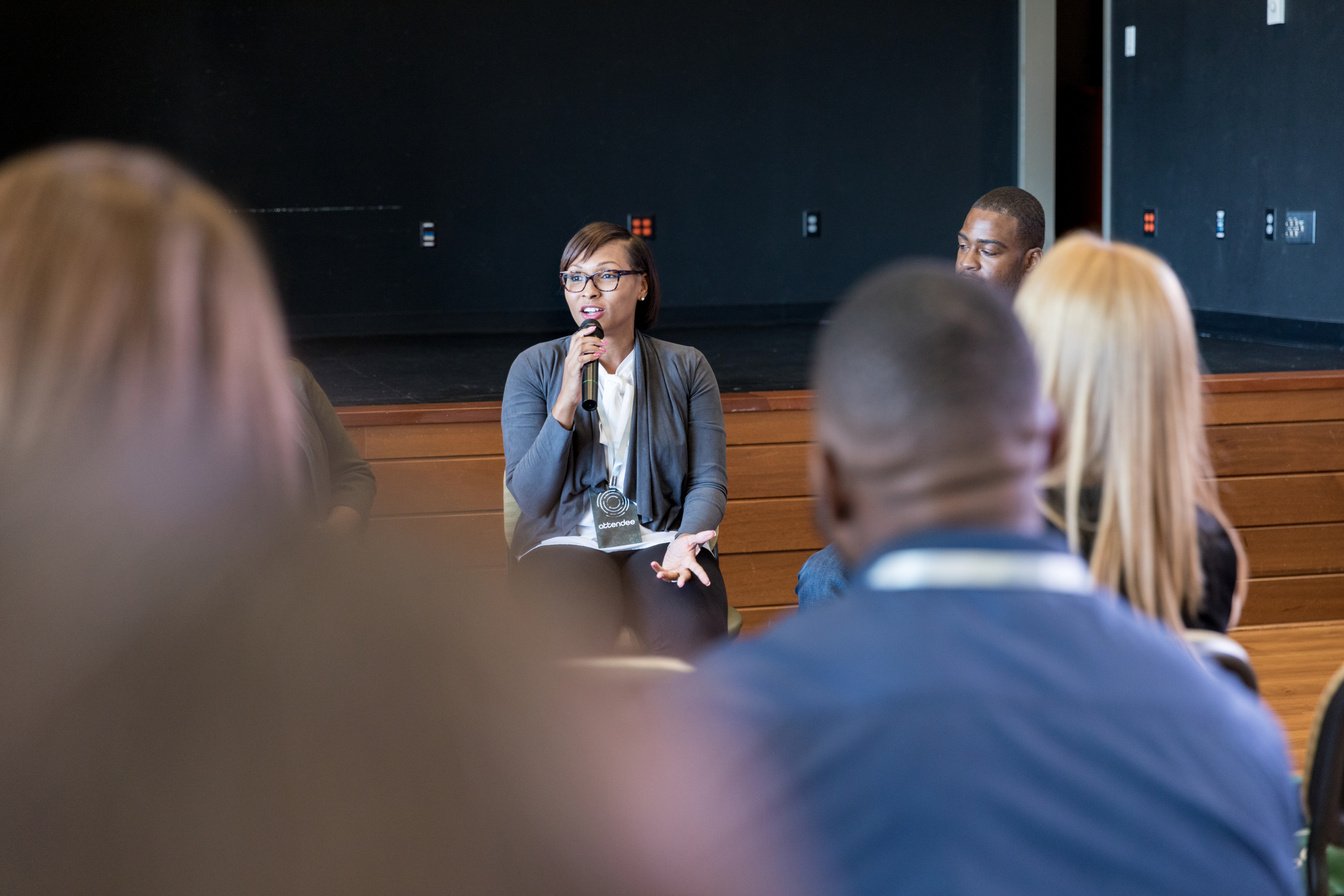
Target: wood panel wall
(1277,444)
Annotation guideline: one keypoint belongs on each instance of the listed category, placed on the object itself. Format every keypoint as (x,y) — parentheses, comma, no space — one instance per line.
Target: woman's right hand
(583,347)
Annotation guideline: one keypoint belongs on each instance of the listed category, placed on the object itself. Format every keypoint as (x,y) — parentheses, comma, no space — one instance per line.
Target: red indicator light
(1150,222)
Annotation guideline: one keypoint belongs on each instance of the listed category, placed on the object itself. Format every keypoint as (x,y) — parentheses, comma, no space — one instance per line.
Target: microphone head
(595,326)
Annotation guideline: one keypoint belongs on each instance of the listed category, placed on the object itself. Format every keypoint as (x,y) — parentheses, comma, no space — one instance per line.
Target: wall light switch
(1132,37)
(1274,11)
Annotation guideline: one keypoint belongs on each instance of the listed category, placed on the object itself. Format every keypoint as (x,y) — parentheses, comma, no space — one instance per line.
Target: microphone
(590,369)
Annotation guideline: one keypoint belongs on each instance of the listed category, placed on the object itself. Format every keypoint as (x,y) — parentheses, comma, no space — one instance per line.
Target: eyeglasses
(606,280)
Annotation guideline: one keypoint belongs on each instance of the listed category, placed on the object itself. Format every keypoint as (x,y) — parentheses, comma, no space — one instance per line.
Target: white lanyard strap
(616,409)
(980,569)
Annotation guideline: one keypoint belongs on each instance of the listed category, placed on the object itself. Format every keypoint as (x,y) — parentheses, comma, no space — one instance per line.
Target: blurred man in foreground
(975,717)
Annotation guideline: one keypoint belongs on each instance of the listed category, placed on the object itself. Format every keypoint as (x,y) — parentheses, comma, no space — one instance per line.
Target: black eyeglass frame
(566,275)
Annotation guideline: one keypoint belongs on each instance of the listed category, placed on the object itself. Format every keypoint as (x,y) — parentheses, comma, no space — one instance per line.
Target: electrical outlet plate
(1275,12)
(1299,228)
(640,225)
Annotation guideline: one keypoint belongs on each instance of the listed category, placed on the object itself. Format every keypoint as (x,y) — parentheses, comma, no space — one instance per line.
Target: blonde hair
(134,307)
(1116,347)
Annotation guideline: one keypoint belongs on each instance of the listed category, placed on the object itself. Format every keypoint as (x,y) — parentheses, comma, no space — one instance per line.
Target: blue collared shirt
(1000,740)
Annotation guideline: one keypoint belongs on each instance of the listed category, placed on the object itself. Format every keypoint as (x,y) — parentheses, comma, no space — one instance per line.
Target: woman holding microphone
(619,505)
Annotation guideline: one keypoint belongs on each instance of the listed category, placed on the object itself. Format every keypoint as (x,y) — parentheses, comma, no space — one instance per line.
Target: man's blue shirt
(1002,739)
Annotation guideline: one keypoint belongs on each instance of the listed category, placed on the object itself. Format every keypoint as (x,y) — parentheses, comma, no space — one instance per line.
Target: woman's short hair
(1116,346)
(594,236)
(136,309)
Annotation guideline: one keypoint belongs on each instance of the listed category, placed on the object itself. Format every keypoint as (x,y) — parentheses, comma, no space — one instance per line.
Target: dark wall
(1219,110)
(511,124)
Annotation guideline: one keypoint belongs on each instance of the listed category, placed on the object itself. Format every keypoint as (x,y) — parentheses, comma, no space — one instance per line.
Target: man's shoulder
(856,649)
(972,646)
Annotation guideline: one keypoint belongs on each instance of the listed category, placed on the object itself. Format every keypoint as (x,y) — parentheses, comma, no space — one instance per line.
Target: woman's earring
(641,298)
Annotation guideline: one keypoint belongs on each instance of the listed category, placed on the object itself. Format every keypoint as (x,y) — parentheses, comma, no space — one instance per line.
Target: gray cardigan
(678,469)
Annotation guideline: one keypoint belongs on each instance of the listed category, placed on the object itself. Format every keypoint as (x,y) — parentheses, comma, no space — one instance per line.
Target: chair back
(511,513)
(1323,787)
(1225,652)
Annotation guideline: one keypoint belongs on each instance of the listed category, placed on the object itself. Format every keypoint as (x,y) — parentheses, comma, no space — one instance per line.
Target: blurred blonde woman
(194,701)
(1131,485)
(147,427)
(138,324)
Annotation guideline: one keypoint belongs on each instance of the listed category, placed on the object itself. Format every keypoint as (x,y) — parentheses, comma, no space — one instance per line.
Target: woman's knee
(677,621)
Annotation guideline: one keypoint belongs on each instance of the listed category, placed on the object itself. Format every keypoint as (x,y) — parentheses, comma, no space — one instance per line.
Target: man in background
(999,243)
(1002,238)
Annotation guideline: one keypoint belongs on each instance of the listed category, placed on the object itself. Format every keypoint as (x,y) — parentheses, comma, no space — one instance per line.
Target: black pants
(584,596)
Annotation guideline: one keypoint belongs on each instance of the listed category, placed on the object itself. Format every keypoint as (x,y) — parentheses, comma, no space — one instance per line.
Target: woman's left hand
(679,562)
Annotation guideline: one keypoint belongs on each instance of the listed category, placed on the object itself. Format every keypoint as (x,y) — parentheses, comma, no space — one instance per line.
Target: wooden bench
(1277,441)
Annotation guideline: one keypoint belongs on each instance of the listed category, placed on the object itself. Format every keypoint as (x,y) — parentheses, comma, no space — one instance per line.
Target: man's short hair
(1020,205)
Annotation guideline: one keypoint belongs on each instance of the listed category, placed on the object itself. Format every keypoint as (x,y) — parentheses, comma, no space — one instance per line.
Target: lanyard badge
(615,518)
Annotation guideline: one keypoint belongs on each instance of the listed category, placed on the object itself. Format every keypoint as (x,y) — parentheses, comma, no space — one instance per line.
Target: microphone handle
(590,386)
(589,373)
